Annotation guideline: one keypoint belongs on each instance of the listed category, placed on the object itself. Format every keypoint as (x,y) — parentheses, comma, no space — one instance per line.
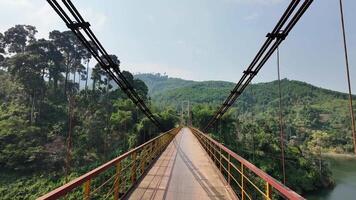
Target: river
(344,173)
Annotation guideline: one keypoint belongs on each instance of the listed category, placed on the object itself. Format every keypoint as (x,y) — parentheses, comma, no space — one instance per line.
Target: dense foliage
(313,117)
(51,129)
(257,140)
(59,118)
(316,121)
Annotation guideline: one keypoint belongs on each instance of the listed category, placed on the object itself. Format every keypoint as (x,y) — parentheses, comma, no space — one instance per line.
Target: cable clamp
(114,66)
(281,35)
(78,25)
(250,72)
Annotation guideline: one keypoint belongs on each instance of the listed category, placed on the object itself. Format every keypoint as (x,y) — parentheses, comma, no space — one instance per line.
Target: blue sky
(207,39)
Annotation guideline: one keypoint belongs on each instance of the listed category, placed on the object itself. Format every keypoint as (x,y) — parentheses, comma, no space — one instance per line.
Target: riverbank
(343,167)
(338,155)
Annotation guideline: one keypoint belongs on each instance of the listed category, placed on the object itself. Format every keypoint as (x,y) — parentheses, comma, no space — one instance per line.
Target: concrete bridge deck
(183,171)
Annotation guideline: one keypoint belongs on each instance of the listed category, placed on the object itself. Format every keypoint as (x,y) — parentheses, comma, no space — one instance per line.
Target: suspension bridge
(184,162)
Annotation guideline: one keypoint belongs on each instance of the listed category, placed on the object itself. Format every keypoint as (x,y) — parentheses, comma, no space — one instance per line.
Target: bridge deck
(183,171)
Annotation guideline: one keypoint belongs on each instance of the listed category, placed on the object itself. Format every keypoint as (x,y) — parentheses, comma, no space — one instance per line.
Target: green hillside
(158,83)
(315,121)
(172,91)
(307,109)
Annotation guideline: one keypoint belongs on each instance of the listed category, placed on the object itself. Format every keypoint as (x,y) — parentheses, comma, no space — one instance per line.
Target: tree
(100,77)
(201,114)
(96,76)
(21,144)
(87,57)
(2,49)
(141,88)
(123,118)
(50,57)
(80,69)
(168,118)
(27,69)
(72,50)
(16,38)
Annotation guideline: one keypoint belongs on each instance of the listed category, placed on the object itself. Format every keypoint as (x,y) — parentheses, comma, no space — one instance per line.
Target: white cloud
(40,14)
(32,12)
(15,3)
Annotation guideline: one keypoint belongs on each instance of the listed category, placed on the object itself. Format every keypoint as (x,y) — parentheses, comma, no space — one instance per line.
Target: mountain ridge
(163,88)
(310,113)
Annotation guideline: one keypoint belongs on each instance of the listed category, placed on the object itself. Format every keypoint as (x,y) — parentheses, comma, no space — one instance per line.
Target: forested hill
(158,83)
(172,91)
(52,130)
(309,111)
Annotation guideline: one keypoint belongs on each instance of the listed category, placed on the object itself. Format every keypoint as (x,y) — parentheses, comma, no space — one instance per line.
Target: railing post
(207,145)
(211,150)
(117,181)
(160,144)
(86,190)
(242,182)
(133,169)
(214,152)
(165,140)
(220,159)
(229,169)
(268,191)
(154,149)
(150,153)
(144,156)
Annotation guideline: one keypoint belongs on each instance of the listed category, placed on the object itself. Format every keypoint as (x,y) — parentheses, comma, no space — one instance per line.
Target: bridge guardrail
(116,177)
(247,180)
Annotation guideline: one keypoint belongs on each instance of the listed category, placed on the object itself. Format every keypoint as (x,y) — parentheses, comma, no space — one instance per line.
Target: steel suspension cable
(83,32)
(274,39)
(281,127)
(352,115)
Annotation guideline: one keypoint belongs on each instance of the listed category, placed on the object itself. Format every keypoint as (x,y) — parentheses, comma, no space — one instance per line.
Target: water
(344,173)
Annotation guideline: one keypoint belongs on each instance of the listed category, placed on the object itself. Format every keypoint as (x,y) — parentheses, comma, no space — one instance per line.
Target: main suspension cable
(274,39)
(83,32)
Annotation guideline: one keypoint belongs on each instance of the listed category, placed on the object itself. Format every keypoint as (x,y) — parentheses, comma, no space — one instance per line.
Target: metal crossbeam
(286,23)
(81,29)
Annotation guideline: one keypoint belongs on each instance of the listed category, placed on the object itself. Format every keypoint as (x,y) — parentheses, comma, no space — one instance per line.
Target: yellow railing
(247,181)
(114,179)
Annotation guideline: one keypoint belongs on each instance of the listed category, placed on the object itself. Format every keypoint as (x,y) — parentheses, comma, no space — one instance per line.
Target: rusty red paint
(65,189)
(282,189)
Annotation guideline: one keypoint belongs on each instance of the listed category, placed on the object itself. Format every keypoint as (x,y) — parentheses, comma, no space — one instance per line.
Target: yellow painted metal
(133,167)
(130,166)
(242,182)
(117,181)
(214,150)
(86,190)
(229,169)
(268,191)
(238,174)
(220,159)
(144,155)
